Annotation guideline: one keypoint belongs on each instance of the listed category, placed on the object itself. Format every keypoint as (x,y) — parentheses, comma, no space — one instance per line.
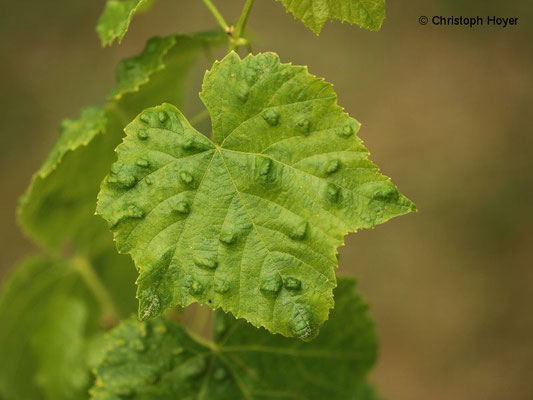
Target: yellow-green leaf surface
(251,221)
(368,14)
(49,319)
(58,207)
(116,18)
(157,359)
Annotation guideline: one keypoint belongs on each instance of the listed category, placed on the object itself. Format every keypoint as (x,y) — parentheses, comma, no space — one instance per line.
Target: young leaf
(367,14)
(157,359)
(58,207)
(250,222)
(116,18)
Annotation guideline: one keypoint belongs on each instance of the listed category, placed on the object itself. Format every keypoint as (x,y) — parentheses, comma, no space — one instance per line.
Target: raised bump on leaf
(292,283)
(333,166)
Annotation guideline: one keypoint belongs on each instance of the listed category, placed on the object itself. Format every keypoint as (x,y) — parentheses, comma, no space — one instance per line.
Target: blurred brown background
(446,111)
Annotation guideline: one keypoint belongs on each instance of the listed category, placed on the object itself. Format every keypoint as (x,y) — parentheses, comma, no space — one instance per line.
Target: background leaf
(367,14)
(52,327)
(250,222)
(157,359)
(116,18)
(47,316)
(58,207)
(60,349)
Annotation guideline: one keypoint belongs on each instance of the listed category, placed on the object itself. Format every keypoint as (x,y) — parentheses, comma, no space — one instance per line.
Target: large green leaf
(367,14)
(58,206)
(250,222)
(116,18)
(157,359)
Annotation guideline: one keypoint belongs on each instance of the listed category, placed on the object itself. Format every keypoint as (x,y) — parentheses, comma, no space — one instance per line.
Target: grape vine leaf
(49,320)
(158,359)
(58,207)
(250,222)
(367,14)
(116,18)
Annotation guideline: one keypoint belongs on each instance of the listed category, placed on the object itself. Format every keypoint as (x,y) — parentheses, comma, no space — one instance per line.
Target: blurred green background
(446,112)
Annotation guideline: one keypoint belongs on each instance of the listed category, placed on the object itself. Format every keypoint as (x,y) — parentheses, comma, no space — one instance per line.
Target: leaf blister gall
(143,134)
(299,231)
(301,323)
(271,117)
(210,263)
(228,236)
(142,162)
(292,283)
(243,91)
(146,118)
(332,192)
(181,207)
(196,287)
(333,166)
(221,284)
(163,117)
(186,177)
(386,193)
(271,283)
(304,125)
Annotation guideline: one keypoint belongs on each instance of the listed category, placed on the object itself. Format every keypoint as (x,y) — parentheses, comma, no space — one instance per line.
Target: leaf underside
(157,359)
(250,222)
(116,18)
(58,207)
(368,14)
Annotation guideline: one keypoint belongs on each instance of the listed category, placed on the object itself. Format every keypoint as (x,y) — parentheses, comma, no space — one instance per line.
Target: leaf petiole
(201,116)
(218,16)
(110,315)
(241,24)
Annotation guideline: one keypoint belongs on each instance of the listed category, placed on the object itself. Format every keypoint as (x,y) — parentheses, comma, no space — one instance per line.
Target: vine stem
(241,23)
(218,16)
(110,315)
(201,319)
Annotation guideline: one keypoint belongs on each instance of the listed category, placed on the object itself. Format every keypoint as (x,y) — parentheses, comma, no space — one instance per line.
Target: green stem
(196,119)
(207,343)
(241,24)
(201,318)
(110,315)
(218,16)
